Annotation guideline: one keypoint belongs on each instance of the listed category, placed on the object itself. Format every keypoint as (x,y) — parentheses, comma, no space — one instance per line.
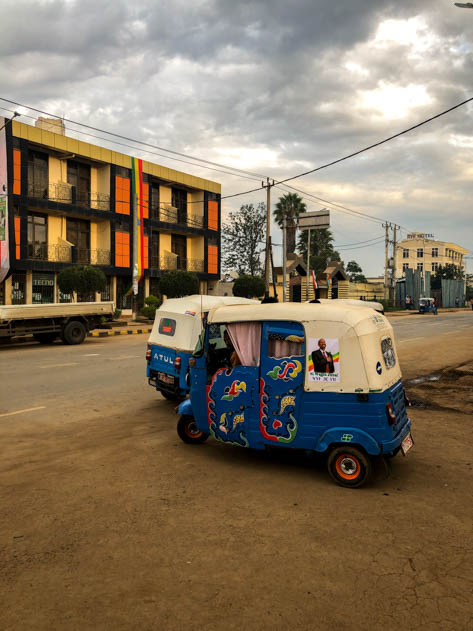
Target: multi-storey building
(70,202)
(422,252)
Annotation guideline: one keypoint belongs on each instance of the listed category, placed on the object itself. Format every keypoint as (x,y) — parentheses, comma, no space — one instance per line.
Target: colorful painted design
(283,429)
(285,401)
(229,427)
(234,390)
(347,438)
(288,370)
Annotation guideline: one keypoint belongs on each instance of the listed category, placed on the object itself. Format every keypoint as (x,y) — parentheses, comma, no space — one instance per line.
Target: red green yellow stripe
(137,192)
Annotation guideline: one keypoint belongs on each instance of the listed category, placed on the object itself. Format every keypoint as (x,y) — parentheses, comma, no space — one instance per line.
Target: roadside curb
(126,332)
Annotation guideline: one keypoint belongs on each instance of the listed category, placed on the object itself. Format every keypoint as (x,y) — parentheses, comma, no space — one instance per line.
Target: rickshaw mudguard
(185,408)
(348,436)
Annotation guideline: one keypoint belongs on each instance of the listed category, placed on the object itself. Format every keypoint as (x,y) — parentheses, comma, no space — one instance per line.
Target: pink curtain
(246,339)
(282,348)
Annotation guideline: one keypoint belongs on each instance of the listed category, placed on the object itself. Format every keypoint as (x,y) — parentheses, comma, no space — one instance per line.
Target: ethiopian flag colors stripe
(137,193)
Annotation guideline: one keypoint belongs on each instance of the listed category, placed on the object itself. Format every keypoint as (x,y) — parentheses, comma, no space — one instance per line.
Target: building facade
(70,202)
(422,252)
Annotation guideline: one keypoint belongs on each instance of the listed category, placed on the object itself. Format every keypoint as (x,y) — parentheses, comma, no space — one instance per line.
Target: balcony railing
(67,254)
(171,214)
(66,194)
(169,263)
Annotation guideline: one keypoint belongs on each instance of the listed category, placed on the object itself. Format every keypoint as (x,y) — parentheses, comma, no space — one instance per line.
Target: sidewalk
(124,327)
(405,312)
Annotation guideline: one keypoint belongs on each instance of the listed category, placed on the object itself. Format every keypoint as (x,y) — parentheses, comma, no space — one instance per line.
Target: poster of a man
(324,359)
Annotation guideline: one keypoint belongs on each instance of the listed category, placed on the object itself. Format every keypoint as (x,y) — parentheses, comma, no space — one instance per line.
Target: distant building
(422,252)
(65,201)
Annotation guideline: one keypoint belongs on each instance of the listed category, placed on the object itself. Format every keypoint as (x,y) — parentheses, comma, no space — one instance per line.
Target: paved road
(108,521)
(59,377)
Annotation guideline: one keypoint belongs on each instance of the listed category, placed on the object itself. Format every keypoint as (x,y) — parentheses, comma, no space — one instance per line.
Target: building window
(155,249)
(213,215)
(179,247)
(405,253)
(435,252)
(179,201)
(420,253)
(420,267)
(106,294)
(43,288)
(37,237)
(18,288)
(16,172)
(155,202)
(78,233)
(38,178)
(405,266)
(435,267)
(78,176)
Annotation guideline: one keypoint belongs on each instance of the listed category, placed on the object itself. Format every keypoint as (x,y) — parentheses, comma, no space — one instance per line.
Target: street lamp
(9,120)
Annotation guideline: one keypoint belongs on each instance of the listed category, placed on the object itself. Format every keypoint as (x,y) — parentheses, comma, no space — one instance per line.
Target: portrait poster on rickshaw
(323,359)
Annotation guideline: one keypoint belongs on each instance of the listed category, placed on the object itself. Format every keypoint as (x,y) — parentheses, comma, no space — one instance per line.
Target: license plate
(165,378)
(406,444)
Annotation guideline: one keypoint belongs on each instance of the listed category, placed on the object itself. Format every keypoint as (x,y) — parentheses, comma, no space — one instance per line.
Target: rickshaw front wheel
(349,466)
(189,432)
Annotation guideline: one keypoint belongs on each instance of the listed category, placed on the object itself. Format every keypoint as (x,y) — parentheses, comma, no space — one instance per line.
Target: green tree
(82,279)
(355,272)
(290,206)
(176,284)
(248,286)
(242,239)
(151,304)
(448,271)
(321,248)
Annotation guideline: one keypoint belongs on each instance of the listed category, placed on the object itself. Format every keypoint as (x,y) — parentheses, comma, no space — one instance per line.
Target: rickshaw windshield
(199,347)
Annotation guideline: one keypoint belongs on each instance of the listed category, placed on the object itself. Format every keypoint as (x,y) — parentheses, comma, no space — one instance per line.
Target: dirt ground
(113,523)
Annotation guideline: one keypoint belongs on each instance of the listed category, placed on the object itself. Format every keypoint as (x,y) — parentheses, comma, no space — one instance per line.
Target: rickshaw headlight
(177,364)
(391,416)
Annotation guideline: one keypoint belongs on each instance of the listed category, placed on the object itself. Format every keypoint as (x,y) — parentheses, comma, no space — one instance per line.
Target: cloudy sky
(273,88)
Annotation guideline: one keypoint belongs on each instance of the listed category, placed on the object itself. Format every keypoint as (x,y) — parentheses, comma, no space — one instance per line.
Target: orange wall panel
(17,238)
(122,195)
(122,249)
(212,259)
(16,172)
(213,215)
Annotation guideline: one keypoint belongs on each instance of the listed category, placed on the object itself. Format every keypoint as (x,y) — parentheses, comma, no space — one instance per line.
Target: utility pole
(393,272)
(308,265)
(134,294)
(267,186)
(386,259)
(284,259)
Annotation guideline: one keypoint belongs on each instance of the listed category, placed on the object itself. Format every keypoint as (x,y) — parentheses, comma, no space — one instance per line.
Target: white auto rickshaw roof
(293,311)
(200,303)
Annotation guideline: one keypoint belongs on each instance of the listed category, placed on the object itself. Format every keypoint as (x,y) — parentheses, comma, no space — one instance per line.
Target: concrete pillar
(7,288)
(29,287)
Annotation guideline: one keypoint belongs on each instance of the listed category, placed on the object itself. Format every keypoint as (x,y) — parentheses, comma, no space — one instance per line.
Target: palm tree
(290,206)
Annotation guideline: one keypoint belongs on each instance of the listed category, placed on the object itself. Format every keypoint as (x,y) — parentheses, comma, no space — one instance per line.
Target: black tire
(189,432)
(349,466)
(45,338)
(74,332)
(171,396)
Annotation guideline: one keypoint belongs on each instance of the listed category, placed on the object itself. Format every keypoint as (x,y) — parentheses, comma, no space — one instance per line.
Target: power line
(356,153)
(358,242)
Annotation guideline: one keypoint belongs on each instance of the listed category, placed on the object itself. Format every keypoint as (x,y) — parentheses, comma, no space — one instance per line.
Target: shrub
(152,303)
(177,284)
(82,279)
(247,286)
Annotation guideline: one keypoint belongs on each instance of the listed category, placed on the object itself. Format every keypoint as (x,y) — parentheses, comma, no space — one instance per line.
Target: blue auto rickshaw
(315,377)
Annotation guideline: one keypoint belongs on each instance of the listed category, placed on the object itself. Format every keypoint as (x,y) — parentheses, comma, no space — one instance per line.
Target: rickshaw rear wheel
(349,466)
(189,432)
(172,396)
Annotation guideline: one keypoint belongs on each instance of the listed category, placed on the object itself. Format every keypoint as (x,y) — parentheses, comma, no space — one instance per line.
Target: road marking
(59,365)
(91,354)
(41,407)
(123,357)
(412,339)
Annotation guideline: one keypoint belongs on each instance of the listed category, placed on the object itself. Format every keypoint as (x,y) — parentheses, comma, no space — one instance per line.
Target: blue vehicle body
(271,404)
(164,373)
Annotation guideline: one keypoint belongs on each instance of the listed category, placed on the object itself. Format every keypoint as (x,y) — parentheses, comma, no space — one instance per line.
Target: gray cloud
(271,86)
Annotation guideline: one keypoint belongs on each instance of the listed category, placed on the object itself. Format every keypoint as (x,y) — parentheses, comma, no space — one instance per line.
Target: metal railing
(66,194)
(169,263)
(67,254)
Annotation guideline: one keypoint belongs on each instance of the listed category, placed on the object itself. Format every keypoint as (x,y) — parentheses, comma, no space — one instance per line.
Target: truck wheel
(74,332)
(189,432)
(349,466)
(45,338)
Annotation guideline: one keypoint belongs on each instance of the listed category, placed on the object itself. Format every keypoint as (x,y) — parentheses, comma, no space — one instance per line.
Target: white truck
(70,321)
